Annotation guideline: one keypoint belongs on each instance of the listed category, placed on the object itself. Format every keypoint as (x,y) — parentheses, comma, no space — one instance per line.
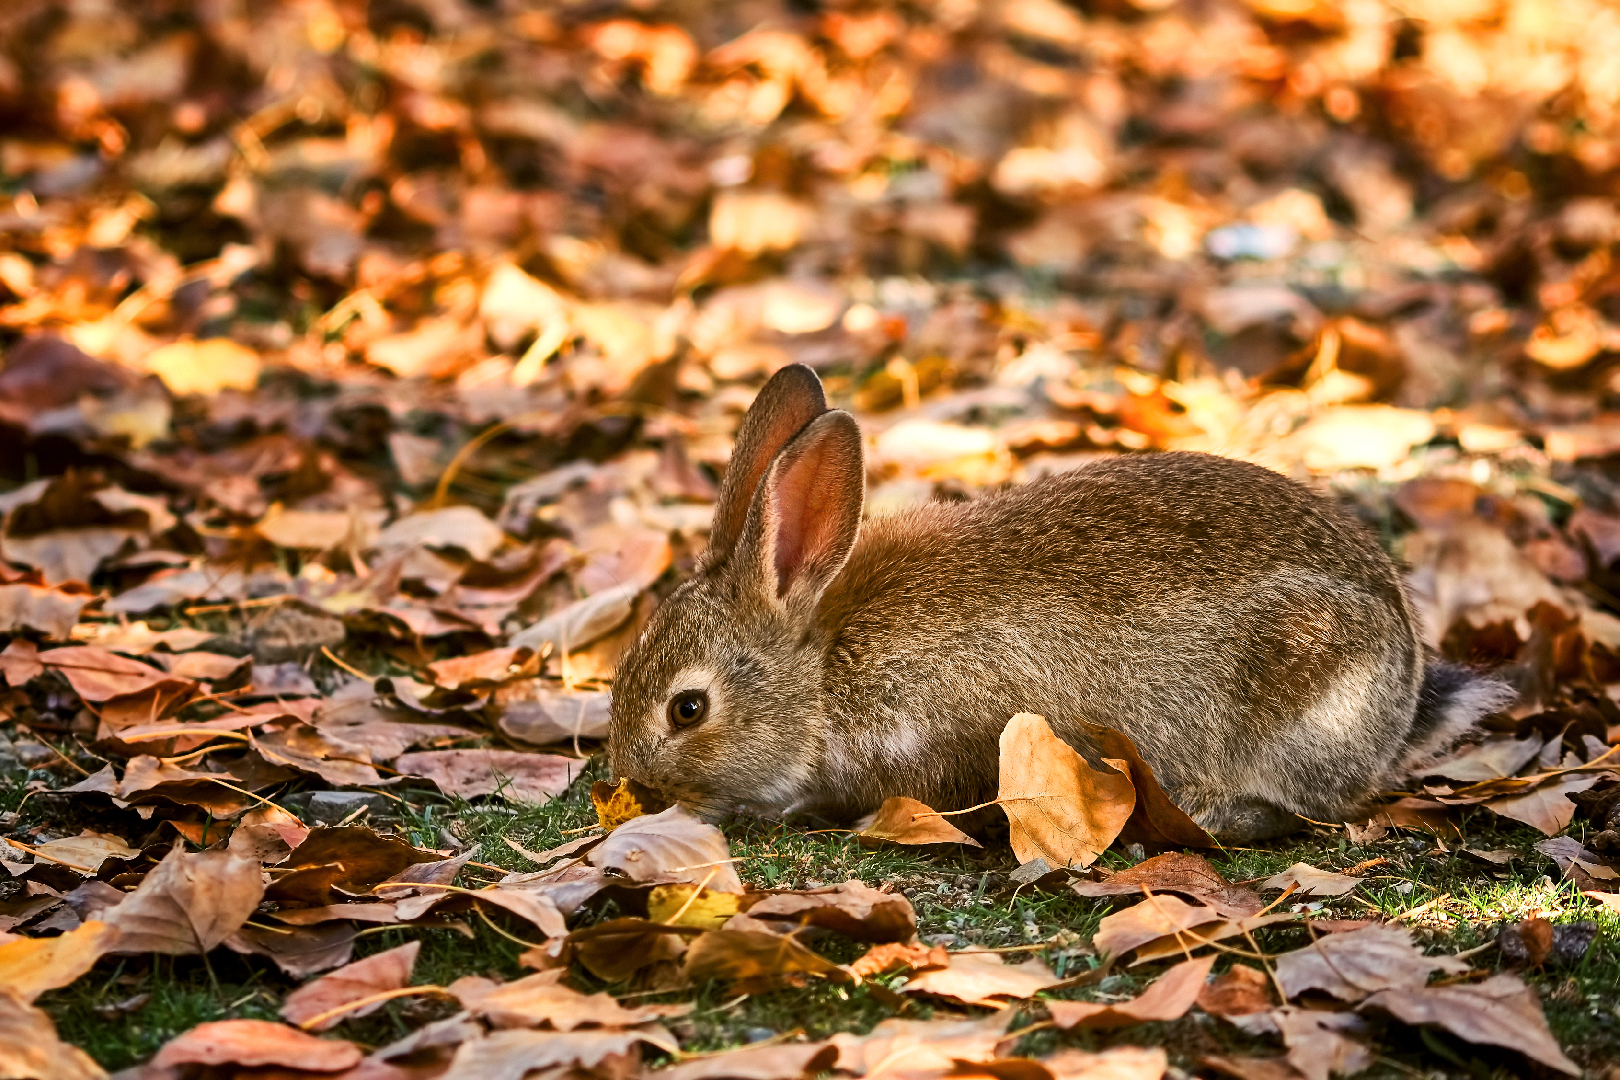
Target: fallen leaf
(1181,873)
(488,668)
(1114,1063)
(299,951)
(1547,807)
(1500,1011)
(672,845)
(1167,998)
(688,905)
(906,821)
(617,948)
(616,805)
(97,675)
(30,1048)
(916,1049)
(1059,807)
(789,1061)
(512,1055)
(892,957)
(1155,820)
(540,1000)
(980,978)
(187,903)
(1323,1044)
(461,527)
(1311,881)
(852,908)
(514,775)
(31,966)
(256,1043)
(205,367)
(87,851)
(1352,966)
(368,857)
(1242,991)
(382,971)
(756,959)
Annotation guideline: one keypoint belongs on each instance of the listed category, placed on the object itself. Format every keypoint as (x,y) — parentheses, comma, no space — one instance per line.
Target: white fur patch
(1458,717)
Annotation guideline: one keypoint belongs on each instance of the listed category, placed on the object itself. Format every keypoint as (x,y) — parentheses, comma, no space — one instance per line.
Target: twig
(370,999)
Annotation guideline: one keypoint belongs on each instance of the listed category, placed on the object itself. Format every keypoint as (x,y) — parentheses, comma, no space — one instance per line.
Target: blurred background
(346,259)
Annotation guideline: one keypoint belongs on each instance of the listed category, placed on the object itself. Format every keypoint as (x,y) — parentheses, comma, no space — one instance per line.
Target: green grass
(127,1007)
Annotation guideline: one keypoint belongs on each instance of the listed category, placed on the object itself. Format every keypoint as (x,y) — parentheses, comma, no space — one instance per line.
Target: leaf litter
(365,375)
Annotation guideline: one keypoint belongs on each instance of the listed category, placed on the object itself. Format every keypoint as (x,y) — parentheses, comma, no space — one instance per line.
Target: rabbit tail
(1452,701)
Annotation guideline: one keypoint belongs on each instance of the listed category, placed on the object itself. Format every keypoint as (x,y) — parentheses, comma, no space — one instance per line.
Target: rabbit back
(1249,636)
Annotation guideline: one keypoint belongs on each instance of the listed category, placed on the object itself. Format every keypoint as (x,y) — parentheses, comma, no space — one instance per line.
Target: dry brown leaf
(1181,873)
(512,1055)
(617,948)
(1546,807)
(382,971)
(97,675)
(299,951)
(482,669)
(256,1044)
(1155,820)
(514,775)
(756,959)
(30,1048)
(1167,998)
(368,857)
(31,966)
(669,846)
(1114,1063)
(1311,881)
(541,1000)
(852,908)
(1243,990)
(87,851)
(187,903)
(1501,1011)
(1323,1044)
(1352,966)
(892,957)
(1059,807)
(1159,915)
(790,1061)
(906,821)
(980,978)
(915,1049)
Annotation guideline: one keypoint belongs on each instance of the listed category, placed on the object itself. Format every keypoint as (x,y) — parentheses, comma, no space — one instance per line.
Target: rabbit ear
(807,512)
(788,401)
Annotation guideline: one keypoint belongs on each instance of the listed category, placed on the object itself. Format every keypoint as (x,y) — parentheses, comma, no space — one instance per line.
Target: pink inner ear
(807,518)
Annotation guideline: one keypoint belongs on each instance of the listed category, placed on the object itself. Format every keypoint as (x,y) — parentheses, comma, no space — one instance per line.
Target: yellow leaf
(687,905)
(617,805)
(31,966)
(1060,808)
(205,367)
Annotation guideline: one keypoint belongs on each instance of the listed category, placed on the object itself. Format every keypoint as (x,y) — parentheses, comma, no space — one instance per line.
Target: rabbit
(1249,636)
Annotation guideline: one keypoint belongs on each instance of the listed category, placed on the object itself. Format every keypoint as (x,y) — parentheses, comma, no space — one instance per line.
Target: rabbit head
(720,702)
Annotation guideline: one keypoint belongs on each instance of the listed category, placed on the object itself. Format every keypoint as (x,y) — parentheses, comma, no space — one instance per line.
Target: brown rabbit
(1249,636)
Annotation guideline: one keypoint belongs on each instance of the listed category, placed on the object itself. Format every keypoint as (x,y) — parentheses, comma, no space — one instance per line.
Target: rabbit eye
(688,707)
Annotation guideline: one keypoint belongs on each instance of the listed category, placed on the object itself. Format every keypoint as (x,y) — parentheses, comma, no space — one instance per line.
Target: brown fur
(1248,635)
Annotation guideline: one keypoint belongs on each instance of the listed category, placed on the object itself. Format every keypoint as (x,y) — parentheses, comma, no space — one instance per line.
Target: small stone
(32,755)
(1571,941)
(942,940)
(331,807)
(758,1034)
